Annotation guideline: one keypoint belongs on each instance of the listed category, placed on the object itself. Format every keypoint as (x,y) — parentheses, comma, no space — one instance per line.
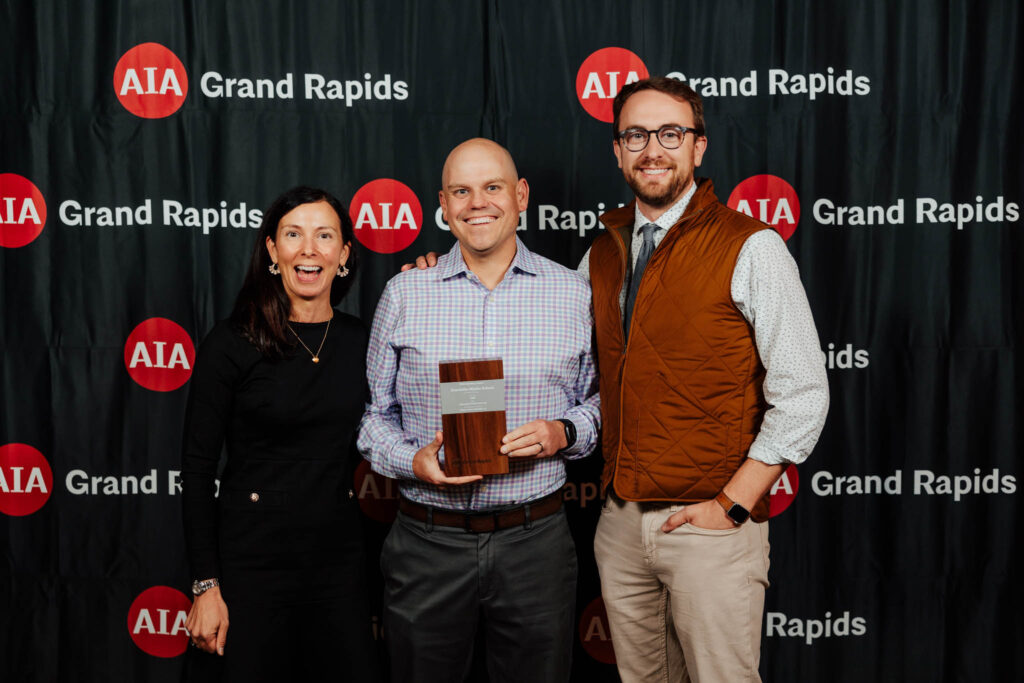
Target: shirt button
(254,497)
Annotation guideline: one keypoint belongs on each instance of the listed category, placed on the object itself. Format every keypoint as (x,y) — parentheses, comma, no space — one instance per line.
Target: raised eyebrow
(671,123)
(294,226)
(462,186)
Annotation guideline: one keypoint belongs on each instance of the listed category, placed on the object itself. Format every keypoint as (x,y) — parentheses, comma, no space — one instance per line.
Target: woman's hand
(207,621)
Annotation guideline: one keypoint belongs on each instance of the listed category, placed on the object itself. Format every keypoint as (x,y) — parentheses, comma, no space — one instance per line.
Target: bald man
(488,554)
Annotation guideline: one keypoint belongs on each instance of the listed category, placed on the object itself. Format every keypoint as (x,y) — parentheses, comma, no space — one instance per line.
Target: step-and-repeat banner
(140,142)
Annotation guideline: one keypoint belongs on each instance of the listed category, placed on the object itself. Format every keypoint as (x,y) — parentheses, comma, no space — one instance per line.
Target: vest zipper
(686,218)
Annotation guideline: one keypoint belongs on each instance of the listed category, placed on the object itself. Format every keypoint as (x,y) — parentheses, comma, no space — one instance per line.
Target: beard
(651,196)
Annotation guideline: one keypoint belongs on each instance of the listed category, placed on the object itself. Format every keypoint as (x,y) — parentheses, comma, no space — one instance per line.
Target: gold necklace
(316,356)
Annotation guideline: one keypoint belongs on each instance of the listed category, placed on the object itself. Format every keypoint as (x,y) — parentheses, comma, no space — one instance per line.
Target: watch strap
(200,587)
(736,512)
(570,432)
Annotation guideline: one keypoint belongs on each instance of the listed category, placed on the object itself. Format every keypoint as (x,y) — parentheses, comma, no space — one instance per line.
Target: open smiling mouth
(308,273)
(480,220)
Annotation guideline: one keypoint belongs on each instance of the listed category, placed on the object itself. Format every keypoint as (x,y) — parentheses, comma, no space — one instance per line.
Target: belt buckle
(476,523)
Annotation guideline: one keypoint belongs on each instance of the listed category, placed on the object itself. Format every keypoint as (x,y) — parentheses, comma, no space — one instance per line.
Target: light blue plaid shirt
(537,320)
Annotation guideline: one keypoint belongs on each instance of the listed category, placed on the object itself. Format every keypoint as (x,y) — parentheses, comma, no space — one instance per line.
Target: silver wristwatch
(200,587)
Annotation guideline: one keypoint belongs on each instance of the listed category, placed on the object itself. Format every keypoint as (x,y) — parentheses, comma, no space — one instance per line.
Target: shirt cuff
(577,450)
(762,451)
(399,461)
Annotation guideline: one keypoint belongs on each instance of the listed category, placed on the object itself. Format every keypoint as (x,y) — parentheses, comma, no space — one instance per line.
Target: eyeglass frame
(683,130)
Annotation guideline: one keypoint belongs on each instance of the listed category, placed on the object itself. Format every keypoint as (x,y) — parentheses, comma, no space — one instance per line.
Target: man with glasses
(712,381)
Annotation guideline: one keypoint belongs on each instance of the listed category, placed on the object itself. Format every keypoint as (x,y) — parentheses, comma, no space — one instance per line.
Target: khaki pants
(682,606)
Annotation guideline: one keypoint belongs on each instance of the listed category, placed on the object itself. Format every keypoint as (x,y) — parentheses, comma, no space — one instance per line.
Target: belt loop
(430,519)
(527,522)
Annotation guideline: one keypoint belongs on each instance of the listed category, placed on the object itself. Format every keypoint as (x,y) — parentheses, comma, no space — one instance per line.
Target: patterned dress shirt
(537,320)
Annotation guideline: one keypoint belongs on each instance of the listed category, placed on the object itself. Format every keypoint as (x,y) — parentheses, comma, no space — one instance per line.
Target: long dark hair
(262,307)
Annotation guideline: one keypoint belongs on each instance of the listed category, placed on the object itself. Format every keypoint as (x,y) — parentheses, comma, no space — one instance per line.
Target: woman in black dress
(282,384)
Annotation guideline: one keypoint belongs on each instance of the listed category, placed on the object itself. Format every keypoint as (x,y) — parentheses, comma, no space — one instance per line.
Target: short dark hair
(670,86)
(262,308)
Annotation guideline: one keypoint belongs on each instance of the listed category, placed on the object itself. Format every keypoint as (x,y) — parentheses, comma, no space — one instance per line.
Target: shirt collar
(667,219)
(452,263)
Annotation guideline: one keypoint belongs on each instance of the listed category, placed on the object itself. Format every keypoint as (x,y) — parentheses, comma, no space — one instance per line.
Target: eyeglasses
(670,136)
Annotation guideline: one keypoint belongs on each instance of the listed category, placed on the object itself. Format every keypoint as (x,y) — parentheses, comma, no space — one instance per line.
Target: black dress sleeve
(207,418)
(362,336)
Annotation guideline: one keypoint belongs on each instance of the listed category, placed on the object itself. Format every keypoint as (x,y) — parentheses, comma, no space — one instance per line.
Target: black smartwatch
(570,432)
(737,513)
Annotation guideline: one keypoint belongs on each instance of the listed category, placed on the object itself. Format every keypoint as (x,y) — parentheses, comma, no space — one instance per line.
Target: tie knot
(648,231)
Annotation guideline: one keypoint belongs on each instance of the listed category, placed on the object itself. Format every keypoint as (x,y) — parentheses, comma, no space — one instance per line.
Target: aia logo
(22,210)
(26,480)
(159,354)
(156,621)
(769,199)
(594,633)
(378,495)
(601,77)
(783,491)
(387,215)
(150,81)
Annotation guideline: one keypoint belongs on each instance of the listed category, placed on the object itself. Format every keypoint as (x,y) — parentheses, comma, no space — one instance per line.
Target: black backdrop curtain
(139,141)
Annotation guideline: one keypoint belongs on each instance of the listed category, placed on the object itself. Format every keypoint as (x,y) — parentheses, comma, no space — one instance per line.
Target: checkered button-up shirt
(537,320)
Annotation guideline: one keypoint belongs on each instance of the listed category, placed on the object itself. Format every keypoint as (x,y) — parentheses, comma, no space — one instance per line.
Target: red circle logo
(594,632)
(769,199)
(159,354)
(378,495)
(784,490)
(26,480)
(601,77)
(387,215)
(150,81)
(156,621)
(22,210)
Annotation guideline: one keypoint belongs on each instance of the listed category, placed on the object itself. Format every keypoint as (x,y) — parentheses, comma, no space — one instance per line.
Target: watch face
(738,513)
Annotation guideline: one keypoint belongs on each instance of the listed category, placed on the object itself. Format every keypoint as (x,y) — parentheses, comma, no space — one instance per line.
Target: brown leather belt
(484,522)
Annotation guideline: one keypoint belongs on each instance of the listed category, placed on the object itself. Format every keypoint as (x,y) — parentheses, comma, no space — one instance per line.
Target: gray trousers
(516,586)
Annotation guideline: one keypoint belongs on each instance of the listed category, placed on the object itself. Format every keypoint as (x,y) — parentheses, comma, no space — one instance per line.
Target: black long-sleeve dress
(283,534)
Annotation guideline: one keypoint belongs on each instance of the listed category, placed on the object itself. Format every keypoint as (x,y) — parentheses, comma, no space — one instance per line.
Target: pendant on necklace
(316,359)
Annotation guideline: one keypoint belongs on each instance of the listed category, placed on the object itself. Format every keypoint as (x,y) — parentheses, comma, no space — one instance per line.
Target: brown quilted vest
(681,404)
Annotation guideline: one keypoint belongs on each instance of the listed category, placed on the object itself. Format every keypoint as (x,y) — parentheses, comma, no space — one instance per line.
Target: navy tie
(646,249)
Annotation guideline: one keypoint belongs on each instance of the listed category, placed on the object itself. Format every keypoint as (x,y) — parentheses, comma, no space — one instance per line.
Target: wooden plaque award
(473,416)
